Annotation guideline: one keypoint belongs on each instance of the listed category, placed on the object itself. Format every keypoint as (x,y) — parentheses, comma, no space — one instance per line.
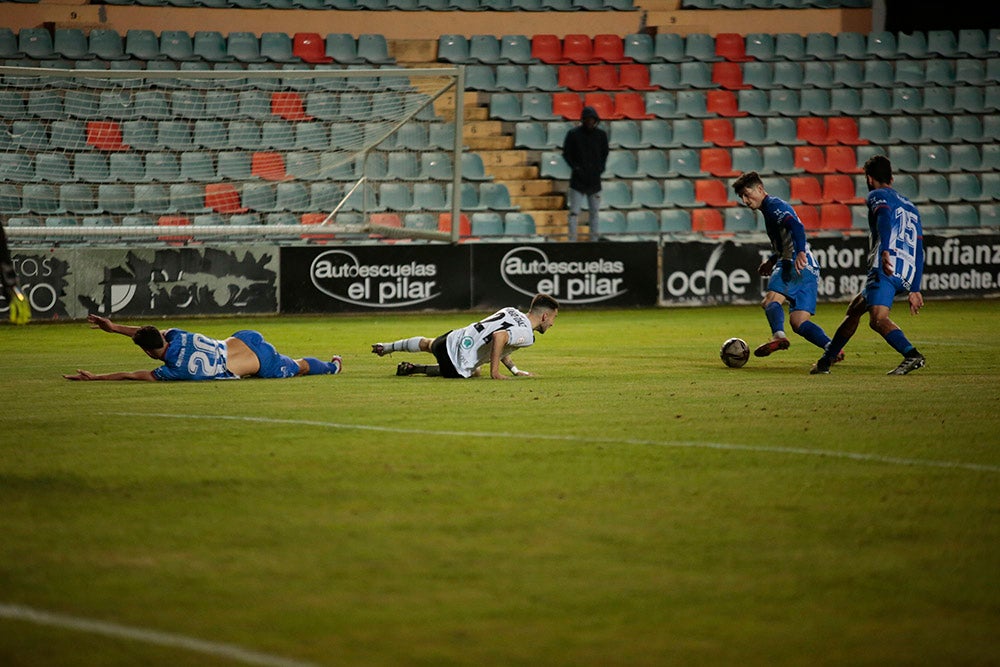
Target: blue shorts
(799,289)
(272,364)
(880,289)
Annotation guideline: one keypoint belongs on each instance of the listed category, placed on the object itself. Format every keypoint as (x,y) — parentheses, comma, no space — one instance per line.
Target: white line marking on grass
(19,613)
(831,453)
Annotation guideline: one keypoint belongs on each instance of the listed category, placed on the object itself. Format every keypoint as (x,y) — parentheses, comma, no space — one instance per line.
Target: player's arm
(497,343)
(85,376)
(104,324)
(798,231)
(884,223)
(514,370)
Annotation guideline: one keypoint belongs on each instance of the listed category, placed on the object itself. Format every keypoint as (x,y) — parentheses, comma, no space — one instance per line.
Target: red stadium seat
(729,76)
(707,220)
(610,49)
(316,219)
(843,160)
(731,46)
(720,132)
(844,130)
(718,162)
(603,103)
(223,198)
(712,193)
(310,47)
(840,189)
(812,130)
(105,136)
(567,105)
(574,77)
(548,49)
(723,103)
(808,215)
(603,77)
(811,159)
(579,49)
(835,216)
(464,224)
(289,106)
(635,77)
(805,189)
(632,106)
(174,221)
(268,166)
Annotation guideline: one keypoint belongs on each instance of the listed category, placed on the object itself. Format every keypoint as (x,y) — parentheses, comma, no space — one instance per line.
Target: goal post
(289,154)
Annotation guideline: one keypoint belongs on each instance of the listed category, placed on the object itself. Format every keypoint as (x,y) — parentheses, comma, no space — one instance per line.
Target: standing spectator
(586,152)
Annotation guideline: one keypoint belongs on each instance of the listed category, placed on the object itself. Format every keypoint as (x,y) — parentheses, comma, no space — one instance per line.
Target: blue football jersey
(894,225)
(192,356)
(786,231)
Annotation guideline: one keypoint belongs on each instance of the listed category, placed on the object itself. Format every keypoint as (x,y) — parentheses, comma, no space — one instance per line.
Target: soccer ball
(735,352)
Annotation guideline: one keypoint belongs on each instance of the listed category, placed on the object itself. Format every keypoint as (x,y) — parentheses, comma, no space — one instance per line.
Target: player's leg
(414,344)
(774,310)
(881,323)
(406,368)
(314,366)
(844,333)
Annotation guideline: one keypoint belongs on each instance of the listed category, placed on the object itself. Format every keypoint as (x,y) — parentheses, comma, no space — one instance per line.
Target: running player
(793,271)
(192,356)
(896,266)
(461,352)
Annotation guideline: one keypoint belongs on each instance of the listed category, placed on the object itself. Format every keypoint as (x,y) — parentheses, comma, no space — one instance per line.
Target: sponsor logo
(467,342)
(529,271)
(710,281)
(341,275)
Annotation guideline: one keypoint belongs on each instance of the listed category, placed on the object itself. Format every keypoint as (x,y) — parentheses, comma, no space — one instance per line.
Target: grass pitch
(636,503)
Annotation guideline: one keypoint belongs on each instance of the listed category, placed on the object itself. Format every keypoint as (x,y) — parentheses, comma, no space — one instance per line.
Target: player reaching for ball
(793,271)
(192,356)
(461,352)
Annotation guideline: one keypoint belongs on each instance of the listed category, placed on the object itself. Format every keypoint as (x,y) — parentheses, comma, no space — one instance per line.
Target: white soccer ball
(735,352)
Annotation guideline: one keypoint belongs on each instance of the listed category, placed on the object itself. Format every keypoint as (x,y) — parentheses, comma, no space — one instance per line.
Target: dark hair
(879,168)
(746,181)
(148,338)
(543,302)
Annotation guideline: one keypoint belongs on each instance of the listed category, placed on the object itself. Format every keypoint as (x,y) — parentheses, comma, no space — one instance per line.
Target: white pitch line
(21,613)
(831,453)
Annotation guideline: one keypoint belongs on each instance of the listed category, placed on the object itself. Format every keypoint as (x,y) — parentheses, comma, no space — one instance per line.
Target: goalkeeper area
(352,154)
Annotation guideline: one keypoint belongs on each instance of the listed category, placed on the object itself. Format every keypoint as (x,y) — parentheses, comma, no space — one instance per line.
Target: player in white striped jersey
(461,352)
(896,267)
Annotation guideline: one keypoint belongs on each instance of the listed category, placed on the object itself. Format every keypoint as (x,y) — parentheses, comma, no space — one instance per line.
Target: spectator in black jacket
(586,152)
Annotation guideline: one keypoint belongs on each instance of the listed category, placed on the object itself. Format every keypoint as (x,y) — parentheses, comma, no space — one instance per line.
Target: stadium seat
(516,49)
(486,223)
(548,48)
(739,219)
(989,215)
(70,43)
(835,216)
(718,163)
(805,190)
(707,220)
(639,47)
(817,74)
(840,188)
(553,165)
(713,193)
(656,132)
(696,74)
(790,46)
(517,223)
(912,45)
(609,48)
(747,158)
(812,130)
(852,45)
(933,216)
(779,160)
(278,47)
(680,192)
(750,130)
(152,198)
(691,104)
(881,44)
(665,76)
(965,157)
(36,43)
(675,221)
(647,193)
(653,163)
(661,104)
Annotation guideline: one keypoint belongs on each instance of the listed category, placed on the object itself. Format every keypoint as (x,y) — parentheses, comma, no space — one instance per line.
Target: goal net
(291,154)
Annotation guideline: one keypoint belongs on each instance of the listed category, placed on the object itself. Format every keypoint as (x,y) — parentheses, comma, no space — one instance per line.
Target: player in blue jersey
(792,269)
(192,356)
(461,352)
(896,266)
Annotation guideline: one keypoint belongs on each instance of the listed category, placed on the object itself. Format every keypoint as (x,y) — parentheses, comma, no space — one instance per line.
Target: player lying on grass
(793,274)
(461,352)
(192,356)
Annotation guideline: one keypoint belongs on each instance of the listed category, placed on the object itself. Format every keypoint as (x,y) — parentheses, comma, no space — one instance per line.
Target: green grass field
(636,503)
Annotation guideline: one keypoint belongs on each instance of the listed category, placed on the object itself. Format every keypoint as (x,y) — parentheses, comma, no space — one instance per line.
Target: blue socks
(899,342)
(814,334)
(775,314)
(317,367)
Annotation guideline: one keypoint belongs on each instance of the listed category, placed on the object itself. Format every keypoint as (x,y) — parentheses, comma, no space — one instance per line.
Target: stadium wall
(67,283)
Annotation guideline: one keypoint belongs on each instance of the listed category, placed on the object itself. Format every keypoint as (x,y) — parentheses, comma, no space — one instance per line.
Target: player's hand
(765,268)
(522,374)
(916,302)
(20,309)
(81,375)
(801,261)
(887,263)
(98,322)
